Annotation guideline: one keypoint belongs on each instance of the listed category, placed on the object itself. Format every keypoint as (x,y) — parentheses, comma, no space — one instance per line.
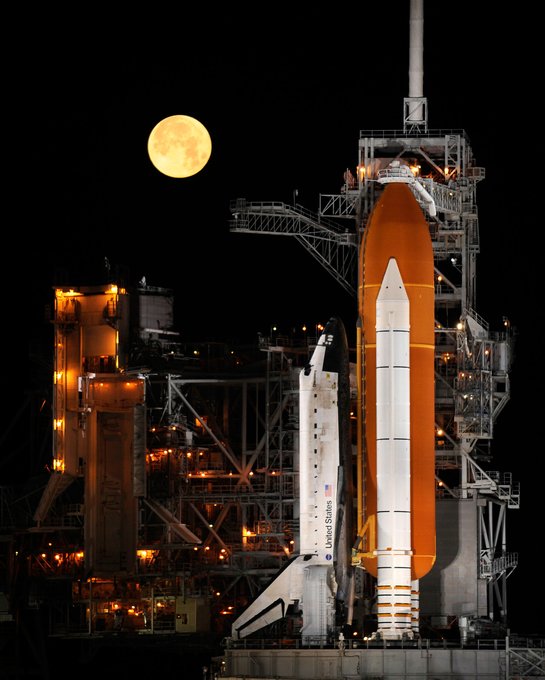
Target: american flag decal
(328,489)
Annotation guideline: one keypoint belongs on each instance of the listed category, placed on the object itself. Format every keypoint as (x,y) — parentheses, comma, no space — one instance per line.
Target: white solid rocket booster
(393,457)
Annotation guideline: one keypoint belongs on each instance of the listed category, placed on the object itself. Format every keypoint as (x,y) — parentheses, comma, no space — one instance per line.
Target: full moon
(179,146)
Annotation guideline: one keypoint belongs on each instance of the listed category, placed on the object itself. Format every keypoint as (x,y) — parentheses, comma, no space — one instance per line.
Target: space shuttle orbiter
(319,579)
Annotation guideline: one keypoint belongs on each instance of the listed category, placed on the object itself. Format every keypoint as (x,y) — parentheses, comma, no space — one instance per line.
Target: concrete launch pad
(418,660)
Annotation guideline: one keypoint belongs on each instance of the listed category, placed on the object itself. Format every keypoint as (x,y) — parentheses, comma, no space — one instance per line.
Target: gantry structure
(472,363)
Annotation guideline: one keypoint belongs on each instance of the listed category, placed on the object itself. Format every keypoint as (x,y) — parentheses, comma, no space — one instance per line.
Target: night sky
(284,93)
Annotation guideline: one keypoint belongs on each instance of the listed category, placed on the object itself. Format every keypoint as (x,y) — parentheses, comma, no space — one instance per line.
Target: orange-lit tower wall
(398,229)
(99,421)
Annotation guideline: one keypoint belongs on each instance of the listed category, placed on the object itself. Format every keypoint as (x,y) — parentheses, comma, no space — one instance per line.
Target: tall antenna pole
(416,53)
(415,105)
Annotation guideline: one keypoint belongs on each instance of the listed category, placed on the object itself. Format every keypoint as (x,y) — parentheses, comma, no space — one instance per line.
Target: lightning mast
(416,105)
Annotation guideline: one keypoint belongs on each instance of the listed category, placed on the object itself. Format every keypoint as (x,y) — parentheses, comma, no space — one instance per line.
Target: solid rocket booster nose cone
(392,287)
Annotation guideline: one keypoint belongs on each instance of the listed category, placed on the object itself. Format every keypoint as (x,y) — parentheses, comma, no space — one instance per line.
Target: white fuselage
(393,457)
(319,459)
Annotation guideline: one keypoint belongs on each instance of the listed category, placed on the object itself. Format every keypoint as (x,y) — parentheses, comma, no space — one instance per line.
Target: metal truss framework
(472,363)
(235,473)
(524,661)
(333,247)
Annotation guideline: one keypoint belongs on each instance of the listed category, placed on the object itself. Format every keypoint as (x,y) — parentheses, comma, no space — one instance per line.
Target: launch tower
(468,581)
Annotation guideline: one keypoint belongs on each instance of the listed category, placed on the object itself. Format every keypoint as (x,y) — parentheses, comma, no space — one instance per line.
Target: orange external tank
(398,229)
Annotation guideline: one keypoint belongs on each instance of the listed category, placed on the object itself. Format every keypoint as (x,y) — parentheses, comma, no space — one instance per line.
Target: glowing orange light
(66,293)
